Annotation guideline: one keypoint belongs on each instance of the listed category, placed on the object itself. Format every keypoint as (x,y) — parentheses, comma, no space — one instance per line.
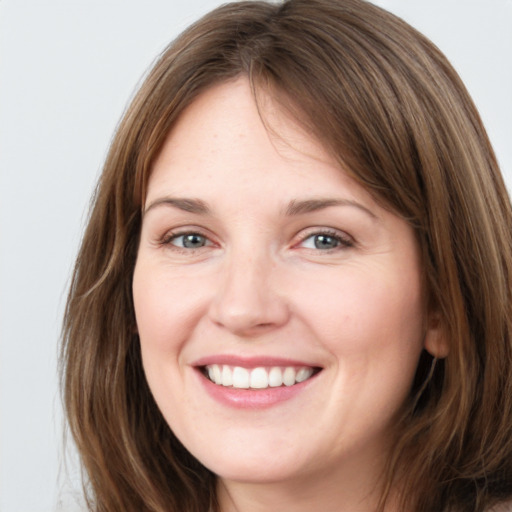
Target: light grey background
(67,69)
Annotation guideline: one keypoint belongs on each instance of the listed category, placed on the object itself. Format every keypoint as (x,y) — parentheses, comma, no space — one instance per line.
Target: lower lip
(252,398)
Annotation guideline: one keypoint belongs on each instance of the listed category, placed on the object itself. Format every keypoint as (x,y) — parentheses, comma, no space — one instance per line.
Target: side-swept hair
(387,104)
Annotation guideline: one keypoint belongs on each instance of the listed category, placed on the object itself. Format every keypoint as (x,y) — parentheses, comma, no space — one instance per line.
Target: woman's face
(263,267)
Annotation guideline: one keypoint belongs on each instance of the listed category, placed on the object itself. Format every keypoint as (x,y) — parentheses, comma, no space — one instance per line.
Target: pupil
(193,241)
(325,242)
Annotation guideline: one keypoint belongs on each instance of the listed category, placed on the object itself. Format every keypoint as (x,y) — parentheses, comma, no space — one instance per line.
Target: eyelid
(174,233)
(174,238)
(345,240)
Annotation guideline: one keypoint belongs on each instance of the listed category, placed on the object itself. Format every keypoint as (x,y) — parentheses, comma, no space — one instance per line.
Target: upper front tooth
(275,377)
(259,378)
(289,376)
(227,376)
(240,377)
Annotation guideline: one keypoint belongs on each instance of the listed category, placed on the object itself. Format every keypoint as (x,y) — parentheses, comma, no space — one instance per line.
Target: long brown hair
(389,106)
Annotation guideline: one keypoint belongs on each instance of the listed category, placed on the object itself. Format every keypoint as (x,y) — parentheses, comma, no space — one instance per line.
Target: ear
(436,339)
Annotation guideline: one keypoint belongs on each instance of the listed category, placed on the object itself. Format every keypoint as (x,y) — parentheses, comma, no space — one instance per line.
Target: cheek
(363,312)
(373,328)
(166,308)
(152,315)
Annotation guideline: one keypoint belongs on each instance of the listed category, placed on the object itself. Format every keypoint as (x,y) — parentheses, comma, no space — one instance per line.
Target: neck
(353,490)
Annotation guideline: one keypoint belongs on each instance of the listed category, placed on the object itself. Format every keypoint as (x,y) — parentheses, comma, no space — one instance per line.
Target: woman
(294,288)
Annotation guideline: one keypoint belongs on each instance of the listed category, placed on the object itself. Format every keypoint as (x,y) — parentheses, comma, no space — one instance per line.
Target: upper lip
(251,362)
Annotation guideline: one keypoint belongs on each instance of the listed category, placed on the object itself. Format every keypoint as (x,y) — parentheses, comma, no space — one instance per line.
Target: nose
(247,301)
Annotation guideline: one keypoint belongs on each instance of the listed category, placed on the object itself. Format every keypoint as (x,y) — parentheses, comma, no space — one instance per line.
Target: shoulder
(502,507)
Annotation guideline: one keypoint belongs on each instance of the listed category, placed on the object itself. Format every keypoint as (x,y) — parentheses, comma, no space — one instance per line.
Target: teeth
(302,375)
(227,376)
(289,376)
(257,378)
(217,378)
(240,378)
(275,377)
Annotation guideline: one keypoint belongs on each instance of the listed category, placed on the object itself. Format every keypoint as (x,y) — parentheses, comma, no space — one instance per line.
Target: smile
(257,378)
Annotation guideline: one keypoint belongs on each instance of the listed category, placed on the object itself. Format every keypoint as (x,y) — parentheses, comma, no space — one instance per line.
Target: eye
(326,241)
(188,240)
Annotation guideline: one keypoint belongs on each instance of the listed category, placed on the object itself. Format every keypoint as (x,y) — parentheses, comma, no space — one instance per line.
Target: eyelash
(170,237)
(343,241)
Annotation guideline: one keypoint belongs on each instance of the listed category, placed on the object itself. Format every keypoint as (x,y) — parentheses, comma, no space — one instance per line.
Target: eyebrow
(295,207)
(312,205)
(185,204)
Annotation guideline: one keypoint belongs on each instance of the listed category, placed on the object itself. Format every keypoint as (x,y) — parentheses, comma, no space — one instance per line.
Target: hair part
(389,107)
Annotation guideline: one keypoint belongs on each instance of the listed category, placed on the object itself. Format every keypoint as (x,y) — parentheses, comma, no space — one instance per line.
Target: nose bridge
(248,300)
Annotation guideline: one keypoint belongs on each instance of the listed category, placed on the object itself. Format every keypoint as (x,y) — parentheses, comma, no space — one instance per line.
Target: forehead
(226,138)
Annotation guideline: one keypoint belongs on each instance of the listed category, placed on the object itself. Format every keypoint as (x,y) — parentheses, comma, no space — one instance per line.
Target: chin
(257,472)
(260,463)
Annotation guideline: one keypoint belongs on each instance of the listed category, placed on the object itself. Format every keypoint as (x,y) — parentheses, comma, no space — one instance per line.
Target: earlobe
(436,339)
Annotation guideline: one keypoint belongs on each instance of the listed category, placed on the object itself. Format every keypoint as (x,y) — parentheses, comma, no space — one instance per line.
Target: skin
(259,284)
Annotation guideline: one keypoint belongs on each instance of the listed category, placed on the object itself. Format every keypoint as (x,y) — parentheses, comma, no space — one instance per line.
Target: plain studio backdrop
(67,70)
